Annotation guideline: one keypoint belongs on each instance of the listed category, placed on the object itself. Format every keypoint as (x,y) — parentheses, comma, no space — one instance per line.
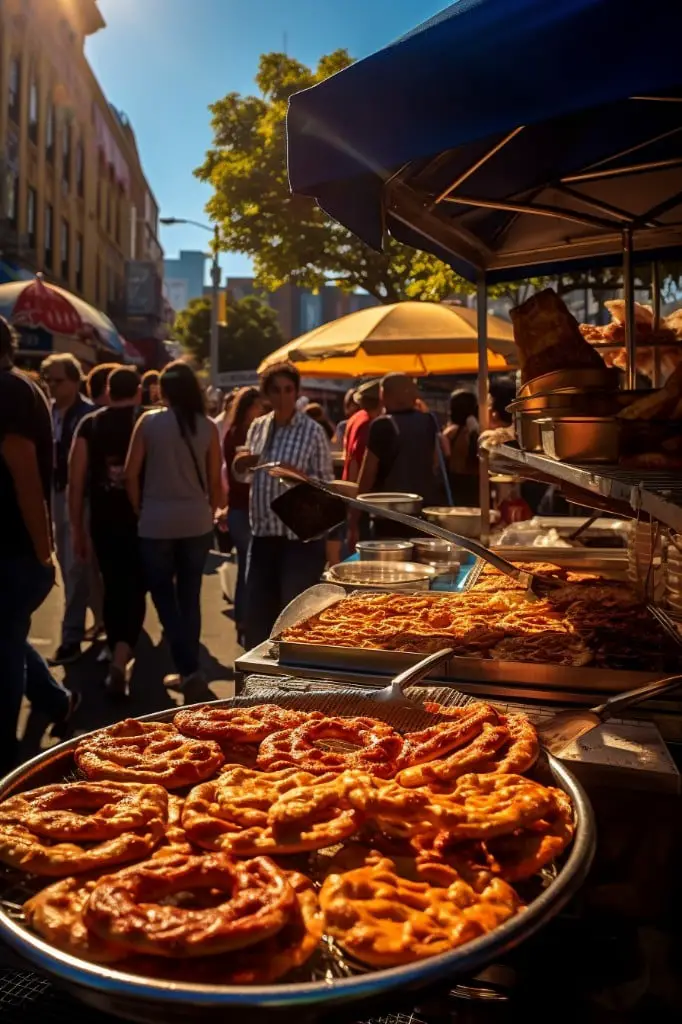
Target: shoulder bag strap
(183,433)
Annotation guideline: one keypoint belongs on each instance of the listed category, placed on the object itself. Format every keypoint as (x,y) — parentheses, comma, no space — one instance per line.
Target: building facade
(74,201)
(184,277)
(298,309)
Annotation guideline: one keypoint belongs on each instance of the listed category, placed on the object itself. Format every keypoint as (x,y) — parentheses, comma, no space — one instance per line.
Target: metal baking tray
(364,660)
(331,980)
(516,543)
(609,562)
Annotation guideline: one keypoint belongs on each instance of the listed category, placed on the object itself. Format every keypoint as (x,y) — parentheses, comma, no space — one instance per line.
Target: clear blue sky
(164,61)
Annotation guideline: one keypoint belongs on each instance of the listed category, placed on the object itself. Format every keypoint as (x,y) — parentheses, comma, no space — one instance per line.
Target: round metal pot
(384,550)
(410,504)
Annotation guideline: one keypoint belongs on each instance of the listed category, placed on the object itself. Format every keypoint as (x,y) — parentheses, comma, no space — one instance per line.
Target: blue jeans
(174,571)
(279,570)
(240,531)
(24,585)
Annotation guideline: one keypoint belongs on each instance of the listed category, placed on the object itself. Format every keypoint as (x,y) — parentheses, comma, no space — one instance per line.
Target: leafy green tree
(251,333)
(192,328)
(288,237)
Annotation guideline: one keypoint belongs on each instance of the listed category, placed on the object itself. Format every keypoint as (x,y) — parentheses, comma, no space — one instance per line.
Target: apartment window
(79,263)
(31,204)
(80,168)
(49,236)
(64,251)
(109,200)
(12,198)
(14,103)
(50,132)
(118,215)
(33,109)
(66,155)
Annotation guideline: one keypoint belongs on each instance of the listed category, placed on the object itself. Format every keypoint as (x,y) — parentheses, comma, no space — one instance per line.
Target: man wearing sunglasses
(63,375)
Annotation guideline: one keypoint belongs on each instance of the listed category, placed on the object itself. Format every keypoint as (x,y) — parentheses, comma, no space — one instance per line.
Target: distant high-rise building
(184,277)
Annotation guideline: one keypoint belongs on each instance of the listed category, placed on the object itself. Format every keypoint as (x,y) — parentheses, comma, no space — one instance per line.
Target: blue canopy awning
(505,135)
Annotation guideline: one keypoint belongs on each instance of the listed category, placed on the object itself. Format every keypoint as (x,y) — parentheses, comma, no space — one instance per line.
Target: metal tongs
(311,508)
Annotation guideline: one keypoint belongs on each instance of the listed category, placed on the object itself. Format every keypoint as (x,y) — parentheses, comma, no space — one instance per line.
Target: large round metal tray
(148,1000)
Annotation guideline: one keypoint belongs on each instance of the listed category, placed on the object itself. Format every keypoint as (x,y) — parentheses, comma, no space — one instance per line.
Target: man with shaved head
(401,452)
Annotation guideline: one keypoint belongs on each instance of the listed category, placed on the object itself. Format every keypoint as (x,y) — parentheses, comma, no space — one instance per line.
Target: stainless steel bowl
(526,412)
(410,504)
(438,553)
(384,550)
(381,575)
(464,520)
(557,380)
(581,439)
(110,989)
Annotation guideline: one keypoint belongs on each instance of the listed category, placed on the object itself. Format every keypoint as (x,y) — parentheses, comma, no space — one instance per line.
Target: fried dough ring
(245,812)
(462,726)
(41,830)
(483,806)
(470,758)
(381,746)
(126,908)
(514,857)
(147,752)
(385,920)
(261,963)
(238,725)
(522,855)
(56,914)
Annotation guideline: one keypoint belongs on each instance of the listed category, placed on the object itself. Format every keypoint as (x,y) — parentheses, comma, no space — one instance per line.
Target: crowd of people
(127,482)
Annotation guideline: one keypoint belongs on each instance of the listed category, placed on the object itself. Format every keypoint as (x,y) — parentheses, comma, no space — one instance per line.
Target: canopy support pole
(482,324)
(629,297)
(656,374)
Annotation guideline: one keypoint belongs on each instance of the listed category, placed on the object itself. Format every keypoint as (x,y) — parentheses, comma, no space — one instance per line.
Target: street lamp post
(215,289)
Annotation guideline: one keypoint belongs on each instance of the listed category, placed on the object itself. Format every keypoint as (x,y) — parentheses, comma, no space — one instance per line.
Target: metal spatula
(567,726)
(393,693)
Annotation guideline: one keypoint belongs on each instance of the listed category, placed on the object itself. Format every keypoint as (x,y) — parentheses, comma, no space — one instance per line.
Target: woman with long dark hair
(460,444)
(176,496)
(246,407)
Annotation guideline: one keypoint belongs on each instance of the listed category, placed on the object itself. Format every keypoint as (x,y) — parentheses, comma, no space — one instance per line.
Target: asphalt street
(219,649)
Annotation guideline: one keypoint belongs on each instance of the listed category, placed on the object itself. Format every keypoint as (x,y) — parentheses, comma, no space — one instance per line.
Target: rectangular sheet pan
(365,661)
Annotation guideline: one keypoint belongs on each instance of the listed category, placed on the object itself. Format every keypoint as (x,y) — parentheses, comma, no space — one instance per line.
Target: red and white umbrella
(41,306)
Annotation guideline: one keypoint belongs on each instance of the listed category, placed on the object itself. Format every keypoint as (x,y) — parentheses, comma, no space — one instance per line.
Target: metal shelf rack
(658,493)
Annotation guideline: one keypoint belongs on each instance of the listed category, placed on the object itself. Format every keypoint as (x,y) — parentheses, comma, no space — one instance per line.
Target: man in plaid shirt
(280,566)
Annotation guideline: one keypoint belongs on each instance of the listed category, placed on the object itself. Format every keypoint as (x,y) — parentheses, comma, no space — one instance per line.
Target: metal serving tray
(332,980)
(363,660)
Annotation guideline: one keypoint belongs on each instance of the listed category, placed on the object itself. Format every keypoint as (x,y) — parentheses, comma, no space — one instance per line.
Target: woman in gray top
(174,482)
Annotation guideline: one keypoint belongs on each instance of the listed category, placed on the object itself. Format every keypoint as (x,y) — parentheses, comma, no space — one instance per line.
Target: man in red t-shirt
(357,428)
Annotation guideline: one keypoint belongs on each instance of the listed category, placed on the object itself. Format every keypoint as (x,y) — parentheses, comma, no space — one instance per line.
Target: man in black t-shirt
(96,471)
(401,453)
(27,570)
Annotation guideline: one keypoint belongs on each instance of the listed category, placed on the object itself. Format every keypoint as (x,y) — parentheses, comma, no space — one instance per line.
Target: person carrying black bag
(179,448)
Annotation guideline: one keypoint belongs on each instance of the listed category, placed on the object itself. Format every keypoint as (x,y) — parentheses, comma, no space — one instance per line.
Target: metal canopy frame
(618,230)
